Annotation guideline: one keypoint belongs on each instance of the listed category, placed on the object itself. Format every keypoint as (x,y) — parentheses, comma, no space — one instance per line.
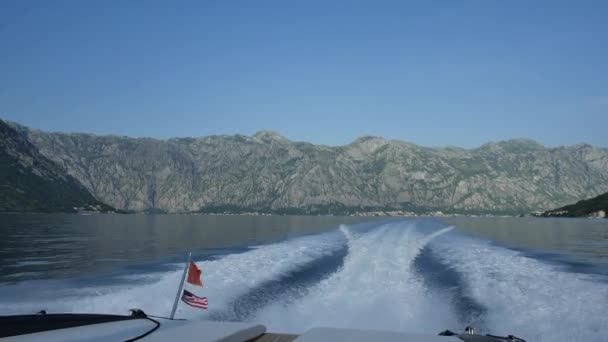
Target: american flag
(193,300)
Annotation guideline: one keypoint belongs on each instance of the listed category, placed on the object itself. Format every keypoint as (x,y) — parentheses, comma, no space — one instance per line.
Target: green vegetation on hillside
(584,208)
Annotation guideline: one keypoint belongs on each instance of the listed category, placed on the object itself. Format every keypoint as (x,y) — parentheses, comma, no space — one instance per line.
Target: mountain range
(30,181)
(267,172)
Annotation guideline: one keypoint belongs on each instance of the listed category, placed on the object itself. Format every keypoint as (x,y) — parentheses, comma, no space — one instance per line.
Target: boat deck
(271,337)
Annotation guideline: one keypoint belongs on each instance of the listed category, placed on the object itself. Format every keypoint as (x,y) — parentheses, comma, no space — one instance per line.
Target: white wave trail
(224,280)
(526,297)
(229,277)
(375,289)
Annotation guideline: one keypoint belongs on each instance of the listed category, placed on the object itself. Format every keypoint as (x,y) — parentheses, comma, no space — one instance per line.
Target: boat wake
(407,275)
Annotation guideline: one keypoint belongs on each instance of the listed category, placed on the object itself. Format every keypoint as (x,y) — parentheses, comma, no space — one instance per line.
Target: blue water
(420,275)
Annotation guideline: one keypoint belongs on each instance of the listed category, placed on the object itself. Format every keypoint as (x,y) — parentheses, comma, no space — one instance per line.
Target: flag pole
(181,286)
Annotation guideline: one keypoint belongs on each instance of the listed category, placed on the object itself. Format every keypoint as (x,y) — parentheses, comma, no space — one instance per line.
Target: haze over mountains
(269,173)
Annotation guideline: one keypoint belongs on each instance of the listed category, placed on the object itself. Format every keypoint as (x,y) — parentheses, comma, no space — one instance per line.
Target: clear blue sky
(430,72)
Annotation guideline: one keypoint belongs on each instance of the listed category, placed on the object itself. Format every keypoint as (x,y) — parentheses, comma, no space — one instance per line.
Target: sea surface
(540,279)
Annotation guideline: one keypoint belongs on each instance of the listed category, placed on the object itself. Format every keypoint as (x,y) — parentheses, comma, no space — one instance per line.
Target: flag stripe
(194,301)
(200,306)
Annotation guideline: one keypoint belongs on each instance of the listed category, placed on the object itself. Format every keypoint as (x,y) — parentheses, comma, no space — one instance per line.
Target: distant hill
(585,208)
(267,172)
(30,181)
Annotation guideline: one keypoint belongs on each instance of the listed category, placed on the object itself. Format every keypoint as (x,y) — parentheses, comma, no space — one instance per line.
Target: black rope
(167,318)
(157,324)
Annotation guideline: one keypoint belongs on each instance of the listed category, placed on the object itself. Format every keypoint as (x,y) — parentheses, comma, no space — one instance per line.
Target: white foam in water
(153,297)
(233,275)
(375,289)
(224,280)
(526,297)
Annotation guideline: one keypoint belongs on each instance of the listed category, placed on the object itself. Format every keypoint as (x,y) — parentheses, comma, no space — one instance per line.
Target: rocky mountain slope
(31,182)
(267,172)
